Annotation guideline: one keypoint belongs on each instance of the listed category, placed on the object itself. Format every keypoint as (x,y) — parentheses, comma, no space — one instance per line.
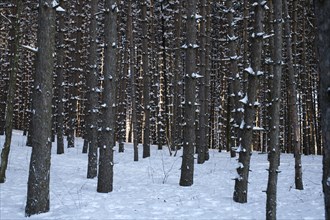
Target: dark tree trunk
(241,182)
(177,90)
(107,140)
(59,84)
(202,143)
(322,9)
(187,167)
(292,96)
(38,182)
(234,86)
(122,104)
(74,75)
(274,153)
(133,83)
(92,95)
(146,81)
(13,64)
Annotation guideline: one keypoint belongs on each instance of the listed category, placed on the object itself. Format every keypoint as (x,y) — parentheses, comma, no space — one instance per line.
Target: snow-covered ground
(149,189)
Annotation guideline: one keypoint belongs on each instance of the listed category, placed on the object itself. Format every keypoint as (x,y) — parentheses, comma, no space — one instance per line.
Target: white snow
(196,75)
(60,9)
(149,188)
(256,128)
(244,100)
(249,70)
(242,124)
(33,49)
(197,16)
(54,3)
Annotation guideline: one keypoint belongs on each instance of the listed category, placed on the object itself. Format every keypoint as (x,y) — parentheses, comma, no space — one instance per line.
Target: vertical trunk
(200,132)
(304,81)
(241,182)
(74,75)
(274,152)
(38,182)
(59,84)
(207,78)
(292,96)
(146,82)
(202,145)
(130,38)
(122,105)
(234,87)
(92,95)
(108,124)
(323,42)
(177,91)
(13,67)
(187,167)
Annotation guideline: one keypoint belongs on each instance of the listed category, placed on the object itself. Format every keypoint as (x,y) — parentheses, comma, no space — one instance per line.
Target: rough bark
(108,124)
(322,9)
(146,82)
(274,153)
(187,167)
(92,95)
(59,84)
(133,77)
(13,66)
(38,182)
(177,90)
(241,182)
(234,84)
(292,96)
(201,143)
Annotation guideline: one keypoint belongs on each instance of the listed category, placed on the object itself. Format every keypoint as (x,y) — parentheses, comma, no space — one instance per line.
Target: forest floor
(149,189)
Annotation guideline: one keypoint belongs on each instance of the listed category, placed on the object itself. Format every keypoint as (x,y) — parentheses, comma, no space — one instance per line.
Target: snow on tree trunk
(274,149)
(241,181)
(292,93)
(92,95)
(108,113)
(187,167)
(146,81)
(59,84)
(38,182)
(13,62)
(323,42)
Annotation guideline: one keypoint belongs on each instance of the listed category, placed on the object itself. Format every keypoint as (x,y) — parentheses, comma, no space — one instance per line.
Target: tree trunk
(59,85)
(38,182)
(107,140)
(92,95)
(177,90)
(241,182)
(202,143)
(274,153)
(292,96)
(322,9)
(133,83)
(122,104)
(13,62)
(146,81)
(187,167)
(234,86)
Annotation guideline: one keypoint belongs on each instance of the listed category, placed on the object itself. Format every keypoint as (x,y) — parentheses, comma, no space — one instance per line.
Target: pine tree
(108,106)
(146,81)
(92,94)
(38,182)
(322,9)
(241,182)
(13,66)
(187,167)
(274,149)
